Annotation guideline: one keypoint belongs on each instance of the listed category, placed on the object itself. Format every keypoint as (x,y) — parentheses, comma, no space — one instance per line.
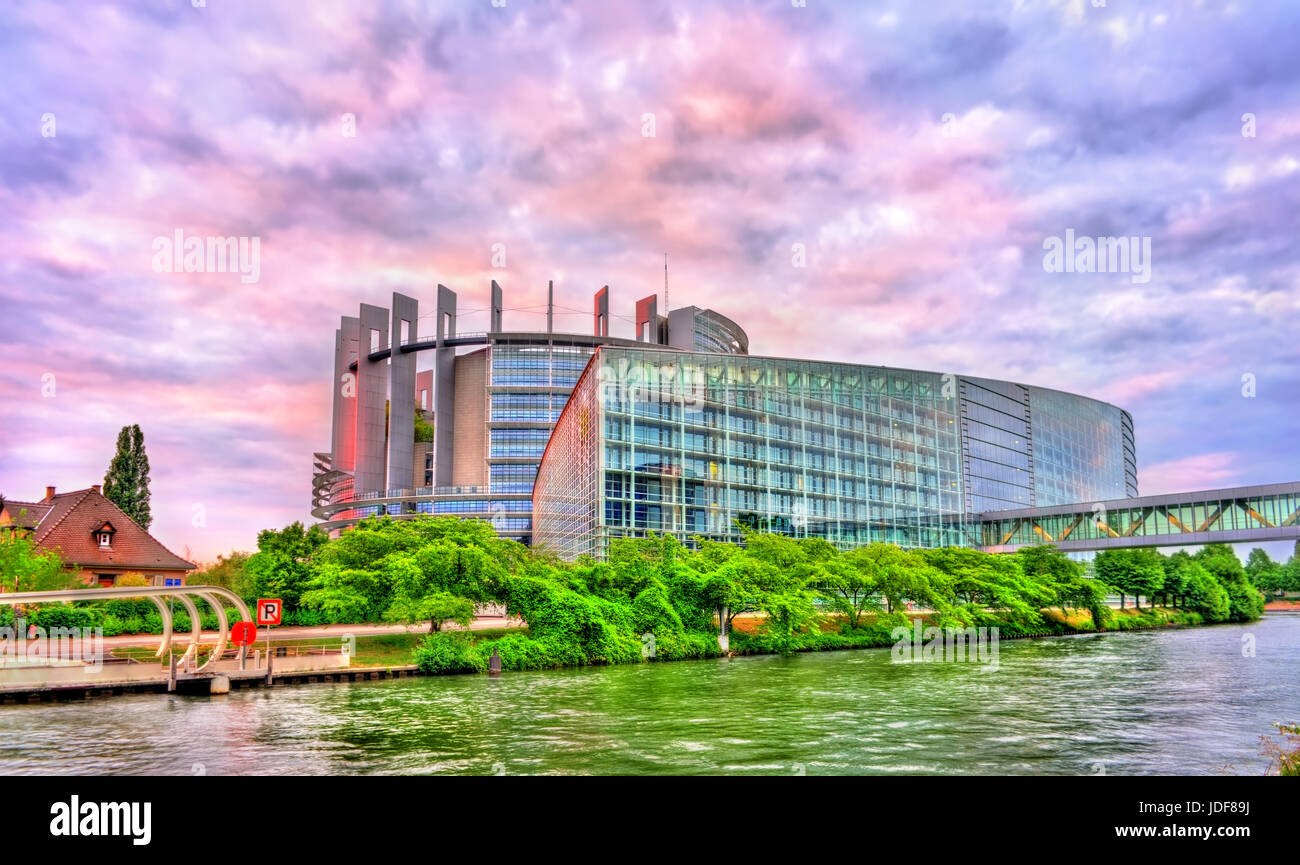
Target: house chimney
(95,487)
(49,493)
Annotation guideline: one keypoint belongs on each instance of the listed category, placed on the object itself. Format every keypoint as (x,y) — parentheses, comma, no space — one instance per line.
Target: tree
(127,482)
(982,580)
(437,608)
(1245,603)
(1138,572)
(1064,578)
(1178,576)
(228,572)
(280,567)
(850,590)
(789,611)
(1266,574)
(1205,595)
(899,576)
(735,586)
(24,568)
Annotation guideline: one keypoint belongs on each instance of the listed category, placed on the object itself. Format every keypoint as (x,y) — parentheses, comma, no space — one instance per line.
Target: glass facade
(998,461)
(717,334)
(1082,449)
(530,382)
(704,444)
(700,445)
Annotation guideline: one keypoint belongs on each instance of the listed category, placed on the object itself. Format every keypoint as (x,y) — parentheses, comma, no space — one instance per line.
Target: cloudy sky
(920,154)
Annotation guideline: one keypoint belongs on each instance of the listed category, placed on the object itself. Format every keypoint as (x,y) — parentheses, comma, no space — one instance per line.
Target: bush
(124,608)
(447,653)
(307,618)
(65,616)
(683,646)
(113,626)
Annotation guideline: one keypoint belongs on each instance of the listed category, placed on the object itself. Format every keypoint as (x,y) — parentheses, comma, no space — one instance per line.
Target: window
(105,540)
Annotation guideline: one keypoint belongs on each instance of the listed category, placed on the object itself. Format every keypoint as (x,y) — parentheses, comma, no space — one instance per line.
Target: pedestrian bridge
(1235,515)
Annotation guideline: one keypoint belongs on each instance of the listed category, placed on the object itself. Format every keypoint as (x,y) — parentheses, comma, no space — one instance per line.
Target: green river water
(1186,701)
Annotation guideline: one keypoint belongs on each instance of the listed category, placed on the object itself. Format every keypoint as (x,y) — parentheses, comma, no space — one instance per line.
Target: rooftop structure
(465,436)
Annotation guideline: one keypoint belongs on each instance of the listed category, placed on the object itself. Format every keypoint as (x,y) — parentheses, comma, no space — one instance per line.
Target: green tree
(1138,572)
(1264,572)
(735,585)
(851,591)
(1204,594)
(790,611)
(984,581)
(898,576)
(228,572)
(281,566)
(437,608)
(1177,576)
(1245,602)
(1064,578)
(127,482)
(24,568)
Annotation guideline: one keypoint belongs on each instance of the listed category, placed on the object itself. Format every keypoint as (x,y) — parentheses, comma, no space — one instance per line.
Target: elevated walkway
(1270,512)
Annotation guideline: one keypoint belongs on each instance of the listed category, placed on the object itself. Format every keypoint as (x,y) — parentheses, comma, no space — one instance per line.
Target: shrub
(65,616)
(113,626)
(447,653)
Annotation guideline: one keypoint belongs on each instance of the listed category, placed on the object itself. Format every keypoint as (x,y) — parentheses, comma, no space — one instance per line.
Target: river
(1188,701)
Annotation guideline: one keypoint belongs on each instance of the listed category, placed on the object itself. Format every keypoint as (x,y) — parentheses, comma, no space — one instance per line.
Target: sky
(864,182)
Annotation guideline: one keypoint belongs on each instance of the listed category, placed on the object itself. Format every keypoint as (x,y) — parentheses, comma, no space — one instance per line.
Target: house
(94,536)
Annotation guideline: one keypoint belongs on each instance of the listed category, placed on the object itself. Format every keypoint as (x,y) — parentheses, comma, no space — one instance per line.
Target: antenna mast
(666,307)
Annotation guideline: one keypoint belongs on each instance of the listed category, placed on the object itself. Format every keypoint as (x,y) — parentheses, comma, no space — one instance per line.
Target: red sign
(243,634)
(268,611)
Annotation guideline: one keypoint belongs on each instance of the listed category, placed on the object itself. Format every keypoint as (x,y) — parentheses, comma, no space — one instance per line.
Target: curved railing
(185,594)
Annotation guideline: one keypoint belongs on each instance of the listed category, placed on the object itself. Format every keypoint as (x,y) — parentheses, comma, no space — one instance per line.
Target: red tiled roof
(25,515)
(69,524)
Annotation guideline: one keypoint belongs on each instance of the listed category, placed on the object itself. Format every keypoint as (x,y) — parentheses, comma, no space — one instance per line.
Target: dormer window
(104,535)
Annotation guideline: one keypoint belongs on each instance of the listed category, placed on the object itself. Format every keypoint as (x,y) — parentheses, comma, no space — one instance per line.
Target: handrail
(210,594)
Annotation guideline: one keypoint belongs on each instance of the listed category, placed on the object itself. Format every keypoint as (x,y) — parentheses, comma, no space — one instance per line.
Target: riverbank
(443,654)
(407,652)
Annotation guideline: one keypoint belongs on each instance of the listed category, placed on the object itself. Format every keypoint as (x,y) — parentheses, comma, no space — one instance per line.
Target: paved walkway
(283,634)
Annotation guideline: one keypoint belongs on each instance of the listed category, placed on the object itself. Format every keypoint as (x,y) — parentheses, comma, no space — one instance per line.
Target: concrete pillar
(497,304)
(343,438)
(601,311)
(401,400)
(372,394)
(444,389)
(647,319)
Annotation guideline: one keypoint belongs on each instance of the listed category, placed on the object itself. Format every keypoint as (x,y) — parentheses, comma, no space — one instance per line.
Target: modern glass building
(701,445)
(570,439)
(492,399)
